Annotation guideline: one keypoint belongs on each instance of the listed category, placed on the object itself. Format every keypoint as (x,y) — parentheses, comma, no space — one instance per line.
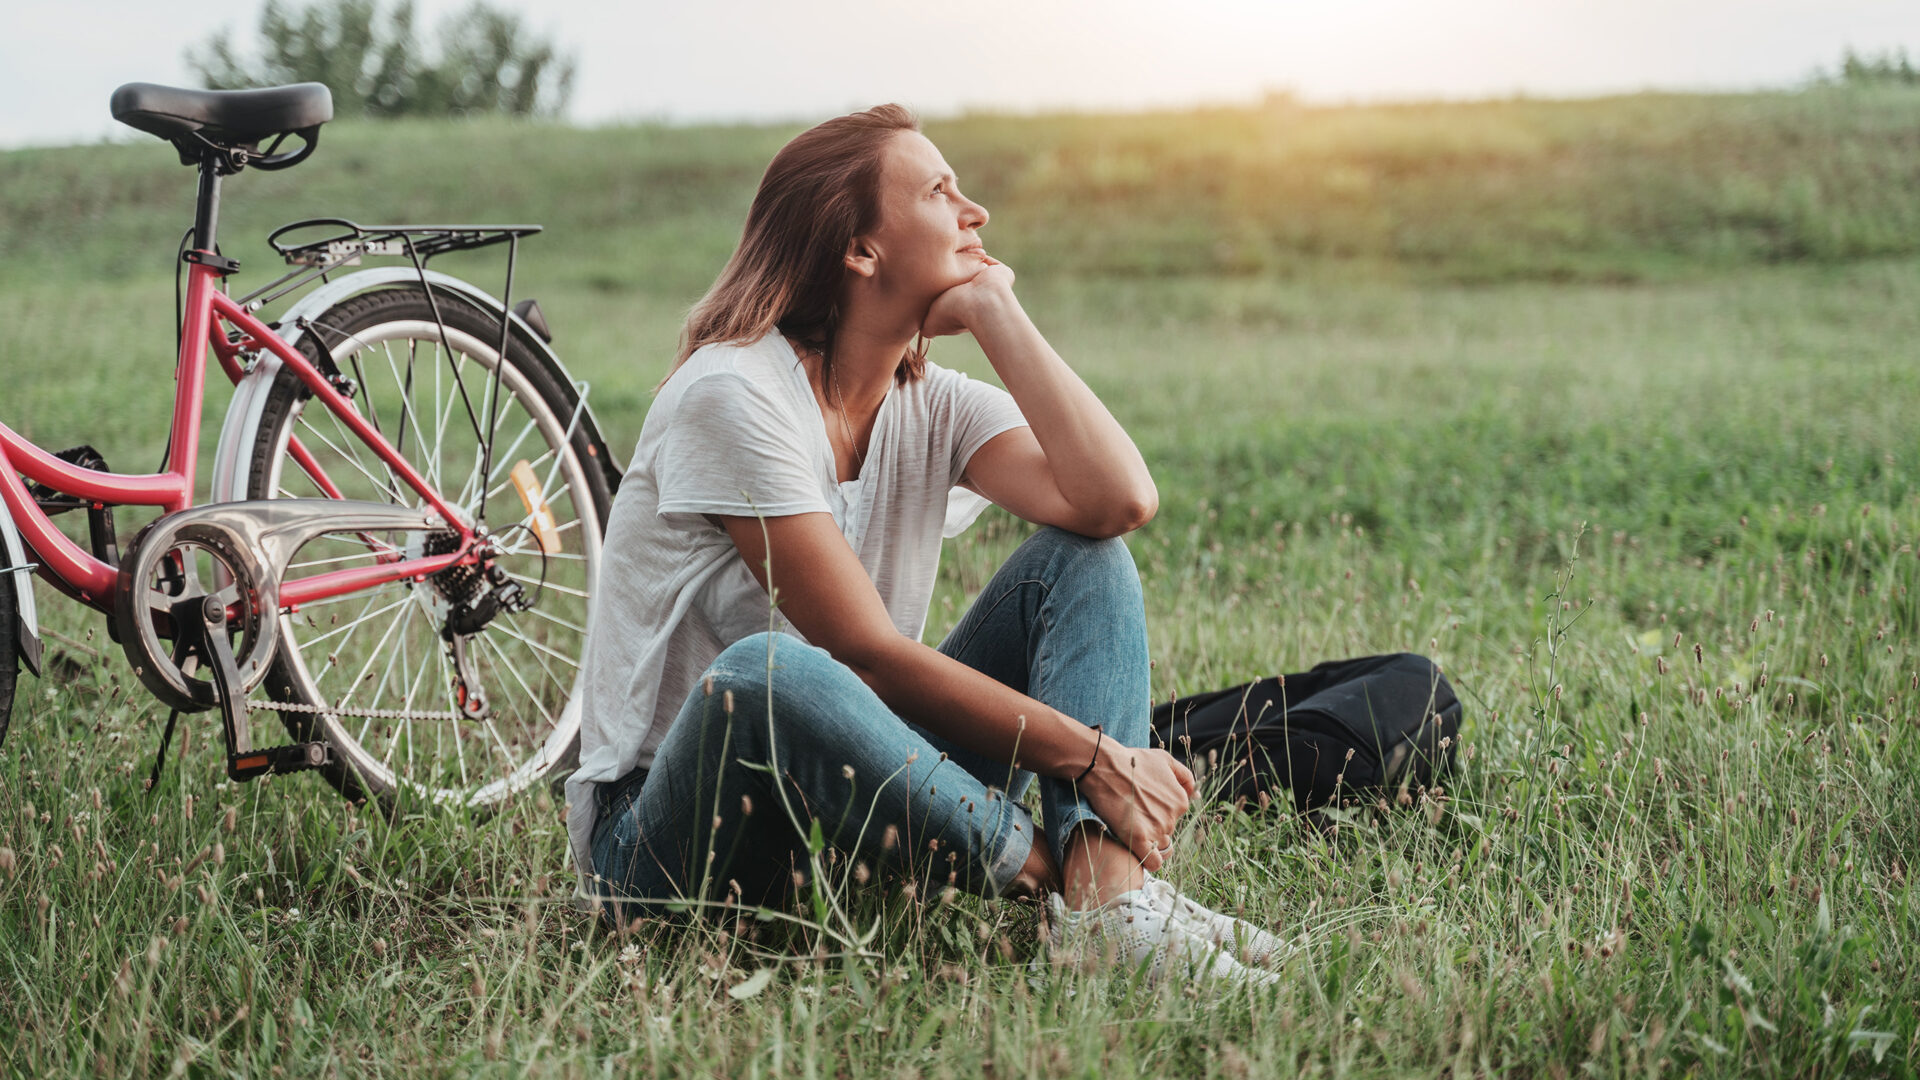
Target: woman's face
(928,238)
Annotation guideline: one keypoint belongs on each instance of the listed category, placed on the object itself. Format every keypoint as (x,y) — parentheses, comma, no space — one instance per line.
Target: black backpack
(1348,729)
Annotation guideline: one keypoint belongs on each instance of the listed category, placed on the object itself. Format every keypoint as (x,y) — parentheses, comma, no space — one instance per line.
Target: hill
(1616,189)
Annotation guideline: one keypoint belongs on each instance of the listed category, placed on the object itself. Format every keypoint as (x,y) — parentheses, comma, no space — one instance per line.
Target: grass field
(1609,406)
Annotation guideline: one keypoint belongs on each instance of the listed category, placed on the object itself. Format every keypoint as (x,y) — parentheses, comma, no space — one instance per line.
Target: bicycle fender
(25,617)
(250,396)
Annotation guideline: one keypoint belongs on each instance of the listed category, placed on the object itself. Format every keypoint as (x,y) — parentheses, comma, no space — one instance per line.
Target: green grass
(1644,482)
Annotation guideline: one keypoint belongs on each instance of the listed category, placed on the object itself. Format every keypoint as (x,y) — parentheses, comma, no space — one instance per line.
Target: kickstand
(182,649)
(160,759)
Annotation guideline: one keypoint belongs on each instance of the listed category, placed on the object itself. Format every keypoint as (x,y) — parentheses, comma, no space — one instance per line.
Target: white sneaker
(1135,931)
(1239,938)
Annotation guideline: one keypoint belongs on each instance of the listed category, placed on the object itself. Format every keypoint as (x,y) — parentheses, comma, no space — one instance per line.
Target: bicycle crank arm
(207,615)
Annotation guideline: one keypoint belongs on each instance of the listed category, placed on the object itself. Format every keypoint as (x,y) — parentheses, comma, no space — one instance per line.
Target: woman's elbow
(876,658)
(1129,514)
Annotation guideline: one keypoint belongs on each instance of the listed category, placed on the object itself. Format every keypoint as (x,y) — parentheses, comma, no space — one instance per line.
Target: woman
(803,449)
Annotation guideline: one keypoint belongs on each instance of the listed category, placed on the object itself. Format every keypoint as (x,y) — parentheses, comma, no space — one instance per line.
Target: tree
(1890,68)
(487,60)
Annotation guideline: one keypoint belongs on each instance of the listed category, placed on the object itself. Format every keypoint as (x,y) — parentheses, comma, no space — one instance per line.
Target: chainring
(165,566)
(248,546)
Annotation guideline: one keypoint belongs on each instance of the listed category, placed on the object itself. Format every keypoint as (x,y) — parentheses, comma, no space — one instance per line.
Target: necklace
(840,405)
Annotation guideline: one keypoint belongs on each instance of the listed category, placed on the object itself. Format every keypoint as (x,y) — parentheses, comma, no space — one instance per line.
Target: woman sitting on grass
(804,448)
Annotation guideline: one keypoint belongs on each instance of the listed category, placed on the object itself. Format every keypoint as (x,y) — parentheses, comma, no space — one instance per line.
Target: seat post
(206,209)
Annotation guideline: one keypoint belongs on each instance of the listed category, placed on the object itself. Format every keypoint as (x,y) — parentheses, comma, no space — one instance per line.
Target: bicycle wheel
(9,645)
(413,648)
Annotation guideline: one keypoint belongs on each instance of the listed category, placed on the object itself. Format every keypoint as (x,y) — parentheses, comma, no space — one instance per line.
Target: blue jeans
(1062,621)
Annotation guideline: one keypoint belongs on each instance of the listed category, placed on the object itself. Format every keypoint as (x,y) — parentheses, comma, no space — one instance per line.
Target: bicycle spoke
(446,413)
(348,627)
(470,484)
(493,731)
(413,692)
(329,601)
(564,688)
(534,552)
(557,620)
(549,650)
(366,393)
(502,486)
(439,432)
(547,491)
(500,462)
(351,440)
(409,414)
(568,590)
(396,656)
(358,556)
(532,697)
(549,497)
(372,658)
(393,743)
(352,460)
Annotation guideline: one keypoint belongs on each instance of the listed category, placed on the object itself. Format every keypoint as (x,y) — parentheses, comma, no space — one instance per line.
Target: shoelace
(1229,933)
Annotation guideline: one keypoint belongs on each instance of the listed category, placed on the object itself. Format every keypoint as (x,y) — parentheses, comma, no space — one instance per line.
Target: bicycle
(403,540)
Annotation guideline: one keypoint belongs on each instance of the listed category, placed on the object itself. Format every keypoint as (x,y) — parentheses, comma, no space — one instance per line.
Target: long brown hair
(820,191)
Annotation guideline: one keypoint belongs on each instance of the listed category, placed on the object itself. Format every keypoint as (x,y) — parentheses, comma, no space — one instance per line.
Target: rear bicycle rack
(353,242)
(418,244)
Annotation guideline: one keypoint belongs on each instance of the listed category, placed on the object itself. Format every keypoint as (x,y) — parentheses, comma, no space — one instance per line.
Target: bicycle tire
(9,645)
(526,660)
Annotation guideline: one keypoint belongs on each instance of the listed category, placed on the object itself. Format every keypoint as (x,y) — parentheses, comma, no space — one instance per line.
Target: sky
(780,60)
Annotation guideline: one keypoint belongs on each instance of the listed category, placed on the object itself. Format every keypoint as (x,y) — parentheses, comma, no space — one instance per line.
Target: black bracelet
(1097,737)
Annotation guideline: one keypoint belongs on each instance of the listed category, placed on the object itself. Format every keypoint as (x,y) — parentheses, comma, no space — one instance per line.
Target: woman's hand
(1140,796)
(960,308)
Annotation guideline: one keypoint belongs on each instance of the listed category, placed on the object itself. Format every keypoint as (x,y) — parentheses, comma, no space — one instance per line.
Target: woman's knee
(763,660)
(1100,563)
(778,669)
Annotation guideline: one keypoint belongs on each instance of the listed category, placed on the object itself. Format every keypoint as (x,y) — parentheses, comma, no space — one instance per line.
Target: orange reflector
(539,516)
(258,761)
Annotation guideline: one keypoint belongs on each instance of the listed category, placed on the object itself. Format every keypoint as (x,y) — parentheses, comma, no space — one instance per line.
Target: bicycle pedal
(279,760)
(53,502)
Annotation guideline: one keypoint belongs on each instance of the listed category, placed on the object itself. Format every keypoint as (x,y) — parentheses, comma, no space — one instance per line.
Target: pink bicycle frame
(92,581)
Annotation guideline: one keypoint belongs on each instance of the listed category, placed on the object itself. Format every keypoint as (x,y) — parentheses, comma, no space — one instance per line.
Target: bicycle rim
(9,643)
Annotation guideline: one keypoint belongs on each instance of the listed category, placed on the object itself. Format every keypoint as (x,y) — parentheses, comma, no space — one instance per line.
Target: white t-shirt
(736,431)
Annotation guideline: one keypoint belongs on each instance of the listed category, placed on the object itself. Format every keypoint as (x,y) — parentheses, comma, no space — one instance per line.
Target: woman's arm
(1074,466)
(820,586)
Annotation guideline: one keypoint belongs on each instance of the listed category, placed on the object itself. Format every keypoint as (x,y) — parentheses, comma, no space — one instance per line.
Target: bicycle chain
(371,714)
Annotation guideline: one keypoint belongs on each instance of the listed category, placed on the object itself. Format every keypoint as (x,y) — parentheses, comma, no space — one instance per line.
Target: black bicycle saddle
(227,117)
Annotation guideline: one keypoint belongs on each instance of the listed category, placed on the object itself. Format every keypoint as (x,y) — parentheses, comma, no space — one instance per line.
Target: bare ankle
(1097,869)
(1038,876)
